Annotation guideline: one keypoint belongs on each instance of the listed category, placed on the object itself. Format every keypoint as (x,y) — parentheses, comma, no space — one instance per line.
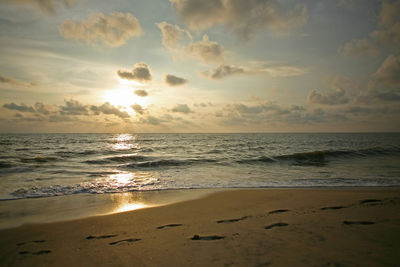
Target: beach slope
(260,227)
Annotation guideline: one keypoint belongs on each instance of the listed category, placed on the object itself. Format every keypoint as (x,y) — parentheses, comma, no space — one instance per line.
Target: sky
(199,66)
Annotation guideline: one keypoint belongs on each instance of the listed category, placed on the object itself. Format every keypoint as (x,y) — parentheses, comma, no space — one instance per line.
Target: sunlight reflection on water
(124,142)
(128,202)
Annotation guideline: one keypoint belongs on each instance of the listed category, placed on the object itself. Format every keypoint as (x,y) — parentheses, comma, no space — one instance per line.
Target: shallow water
(43,165)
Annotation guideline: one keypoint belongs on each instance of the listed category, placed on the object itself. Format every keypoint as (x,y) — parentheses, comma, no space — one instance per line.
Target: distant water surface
(44,165)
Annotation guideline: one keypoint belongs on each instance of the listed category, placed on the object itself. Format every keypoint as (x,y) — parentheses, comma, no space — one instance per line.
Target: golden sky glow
(199,66)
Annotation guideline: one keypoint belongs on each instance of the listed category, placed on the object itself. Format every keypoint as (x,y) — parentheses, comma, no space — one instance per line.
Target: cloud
(113,30)
(389,72)
(223,71)
(360,47)
(338,97)
(173,80)
(171,35)
(180,41)
(255,67)
(151,120)
(109,109)
(240,114)
(46,6)
(206,50)
(389,12)
(138,109)
(42,108)
(73,107)
(4,79)
(388,36)
(243,17)
(182,108)
(12,81)
(140,92)
(22,107)
(141,72)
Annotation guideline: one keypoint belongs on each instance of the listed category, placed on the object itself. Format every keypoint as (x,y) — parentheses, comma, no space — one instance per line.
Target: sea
(44,177)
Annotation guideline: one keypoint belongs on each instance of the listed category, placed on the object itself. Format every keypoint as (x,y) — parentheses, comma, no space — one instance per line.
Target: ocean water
(47,165)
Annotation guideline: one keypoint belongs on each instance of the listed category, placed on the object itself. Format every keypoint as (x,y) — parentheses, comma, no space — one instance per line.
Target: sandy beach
(260,227)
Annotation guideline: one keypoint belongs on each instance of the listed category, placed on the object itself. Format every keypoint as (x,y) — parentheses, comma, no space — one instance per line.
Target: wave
(86,188)
(5,165)
(120,159)
(168,163)
(319,158)
(38,159)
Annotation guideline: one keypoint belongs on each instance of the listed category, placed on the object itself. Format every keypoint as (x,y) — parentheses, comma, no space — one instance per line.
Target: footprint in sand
(40,252)
(365,201)
(277,211)
(34,241)
(358,222)
(233,220)
(100,237)
(279,224)
(333,208)
(169,225)
(207,237)
(129,240)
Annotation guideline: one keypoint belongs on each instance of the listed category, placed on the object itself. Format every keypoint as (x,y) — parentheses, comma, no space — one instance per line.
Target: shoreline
(358,226)
(60,208)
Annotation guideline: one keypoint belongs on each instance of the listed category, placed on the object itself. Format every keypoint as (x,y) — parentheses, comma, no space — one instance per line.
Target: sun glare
(124,96)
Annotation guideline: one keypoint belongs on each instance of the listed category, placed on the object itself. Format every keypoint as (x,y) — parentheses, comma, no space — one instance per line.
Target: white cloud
(46,6)
(113,30)
(172,35)
(206,50)
(272,69)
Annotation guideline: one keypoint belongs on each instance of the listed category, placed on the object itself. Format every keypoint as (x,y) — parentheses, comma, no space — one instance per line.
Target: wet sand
(261,227)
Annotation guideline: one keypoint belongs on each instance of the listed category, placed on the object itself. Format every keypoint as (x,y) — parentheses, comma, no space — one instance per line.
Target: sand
(261,227)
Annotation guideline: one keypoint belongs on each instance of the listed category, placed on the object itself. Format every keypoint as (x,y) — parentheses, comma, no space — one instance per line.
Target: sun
(123,96)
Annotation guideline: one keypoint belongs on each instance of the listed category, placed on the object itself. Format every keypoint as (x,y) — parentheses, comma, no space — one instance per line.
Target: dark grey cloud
(73,107)
(389,72)
(387,33)
(182,108)
(173,80)
(22,107)
(140,92)
(337,97)
(113,30)
(5,79)
(42,108)
(223,71)
(243,17)
(109,109)
(138,109)
(240,114)
(141,72)
(151,120)
(360,47)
